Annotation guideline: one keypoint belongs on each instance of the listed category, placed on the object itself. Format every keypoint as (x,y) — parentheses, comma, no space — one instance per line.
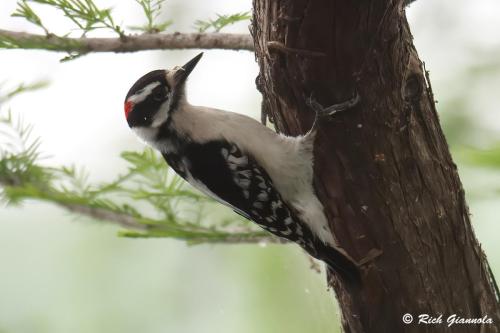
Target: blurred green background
(61,274)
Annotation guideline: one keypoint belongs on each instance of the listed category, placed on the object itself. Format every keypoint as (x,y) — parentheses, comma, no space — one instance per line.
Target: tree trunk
(383,169)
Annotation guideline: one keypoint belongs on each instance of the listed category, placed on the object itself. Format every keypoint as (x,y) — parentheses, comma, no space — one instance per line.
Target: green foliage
(88,17)
(148,197)
(21,88)
(221,21)
(17,163)
(72,46)
(152,10)
(83,13)
(489,158)
(24,10)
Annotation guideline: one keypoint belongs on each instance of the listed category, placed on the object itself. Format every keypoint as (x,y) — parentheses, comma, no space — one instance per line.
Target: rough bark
(383,169)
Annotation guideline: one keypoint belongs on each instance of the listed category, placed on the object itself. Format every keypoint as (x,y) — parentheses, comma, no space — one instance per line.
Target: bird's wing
(222,171)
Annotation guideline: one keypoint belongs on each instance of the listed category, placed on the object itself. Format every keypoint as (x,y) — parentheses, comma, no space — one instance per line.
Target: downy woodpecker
(263,176)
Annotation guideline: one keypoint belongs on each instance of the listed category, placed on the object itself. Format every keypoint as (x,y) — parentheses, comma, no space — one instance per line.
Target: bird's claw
(313,104)
(332,109)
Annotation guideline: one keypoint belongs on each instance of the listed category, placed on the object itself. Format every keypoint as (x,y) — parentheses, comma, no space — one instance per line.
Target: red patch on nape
(128,107)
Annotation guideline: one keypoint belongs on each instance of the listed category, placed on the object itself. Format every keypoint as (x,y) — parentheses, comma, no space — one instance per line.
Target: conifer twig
(148,199)
(129,43)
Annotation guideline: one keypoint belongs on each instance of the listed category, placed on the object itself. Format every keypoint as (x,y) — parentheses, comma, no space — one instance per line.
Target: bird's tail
(342,265)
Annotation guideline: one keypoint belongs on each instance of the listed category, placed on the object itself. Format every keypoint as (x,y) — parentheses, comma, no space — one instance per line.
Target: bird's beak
(183,72)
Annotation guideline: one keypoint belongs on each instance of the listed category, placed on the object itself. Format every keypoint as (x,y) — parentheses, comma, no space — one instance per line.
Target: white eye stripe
(163,113)
(143,93)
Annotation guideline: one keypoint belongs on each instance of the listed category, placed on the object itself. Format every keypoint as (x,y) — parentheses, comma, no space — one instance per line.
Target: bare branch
(132,223)
(131,43)
(106,215)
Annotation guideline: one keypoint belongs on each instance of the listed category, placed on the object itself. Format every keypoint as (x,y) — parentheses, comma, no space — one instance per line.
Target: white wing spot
(243,160)
(243,183)
(262,196)
(276,204)
(258,205)
(245,173)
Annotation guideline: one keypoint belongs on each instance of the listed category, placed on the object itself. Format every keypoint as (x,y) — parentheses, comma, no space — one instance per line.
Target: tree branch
(130,222)
(145,228)
(106,215)
(177,40)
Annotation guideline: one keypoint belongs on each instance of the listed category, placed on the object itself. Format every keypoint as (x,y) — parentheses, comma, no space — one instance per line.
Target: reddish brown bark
(384,170)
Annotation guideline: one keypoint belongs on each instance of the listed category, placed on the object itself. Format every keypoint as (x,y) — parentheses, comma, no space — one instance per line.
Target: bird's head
(155,96)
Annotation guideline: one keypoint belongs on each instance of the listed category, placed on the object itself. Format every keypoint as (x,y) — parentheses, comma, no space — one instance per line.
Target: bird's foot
(329,111)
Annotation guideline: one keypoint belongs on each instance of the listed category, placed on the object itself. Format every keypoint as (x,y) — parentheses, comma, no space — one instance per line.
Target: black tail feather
(341,265)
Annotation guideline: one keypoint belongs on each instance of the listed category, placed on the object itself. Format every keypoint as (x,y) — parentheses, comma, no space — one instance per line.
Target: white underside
(287,160)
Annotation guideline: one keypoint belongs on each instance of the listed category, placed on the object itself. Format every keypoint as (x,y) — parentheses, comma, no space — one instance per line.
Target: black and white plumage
(261,175)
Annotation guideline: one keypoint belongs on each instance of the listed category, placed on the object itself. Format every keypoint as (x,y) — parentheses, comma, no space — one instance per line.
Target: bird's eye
(158,96)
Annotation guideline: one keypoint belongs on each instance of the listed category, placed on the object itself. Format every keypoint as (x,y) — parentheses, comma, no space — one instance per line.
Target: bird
(264,176)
